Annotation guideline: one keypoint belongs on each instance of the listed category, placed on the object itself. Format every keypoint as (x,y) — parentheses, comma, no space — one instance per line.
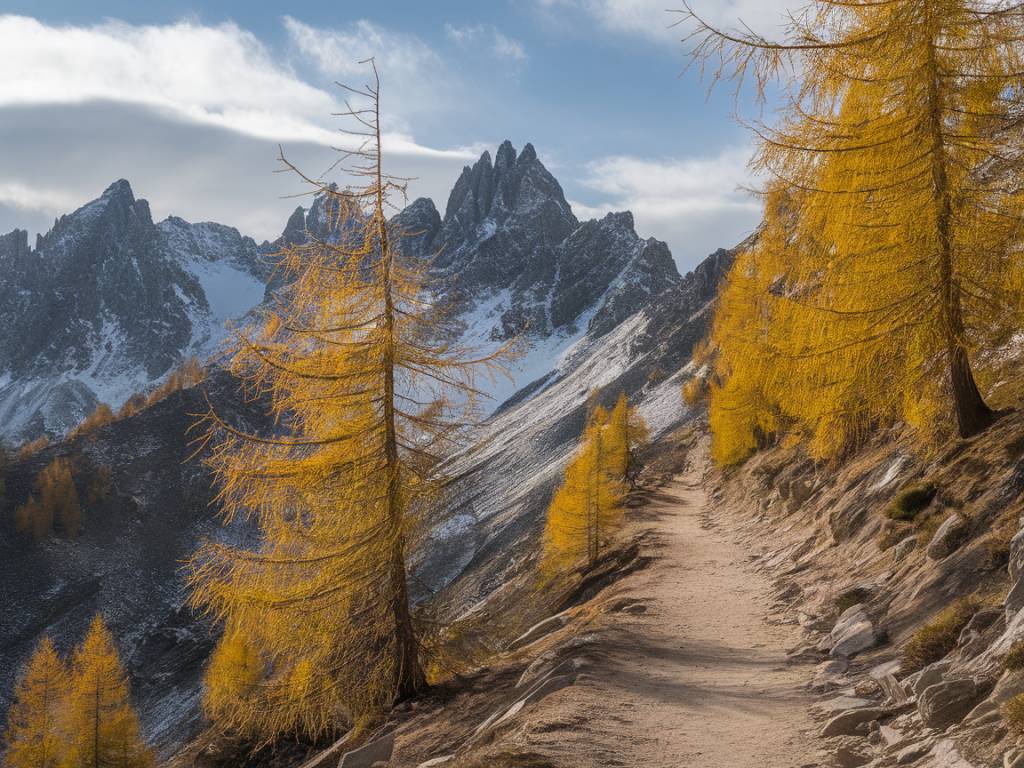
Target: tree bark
(972,414)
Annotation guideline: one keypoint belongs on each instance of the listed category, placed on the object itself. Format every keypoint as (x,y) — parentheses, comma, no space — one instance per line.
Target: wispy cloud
(485,35)
(658,19)
(37,199)
(699,201)
(221,76)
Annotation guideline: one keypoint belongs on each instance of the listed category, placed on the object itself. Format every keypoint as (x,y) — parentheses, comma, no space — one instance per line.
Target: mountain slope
(597,306)
(107,302)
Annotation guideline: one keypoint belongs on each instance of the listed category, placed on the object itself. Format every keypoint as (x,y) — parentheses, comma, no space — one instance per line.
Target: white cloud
(695,204)
(410,70)
(499,44)
(659,19)
(219,76)
(28,197)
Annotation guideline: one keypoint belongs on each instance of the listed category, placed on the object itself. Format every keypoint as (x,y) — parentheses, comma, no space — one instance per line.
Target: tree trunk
(972,414)
(409,679)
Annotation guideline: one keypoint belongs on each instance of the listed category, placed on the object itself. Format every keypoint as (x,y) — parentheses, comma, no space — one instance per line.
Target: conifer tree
(890,247)
(587,507)
(366,400)
(36,736)
(102,725)
(627,433)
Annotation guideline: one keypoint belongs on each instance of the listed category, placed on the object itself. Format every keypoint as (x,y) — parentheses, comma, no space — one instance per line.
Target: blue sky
(188,100)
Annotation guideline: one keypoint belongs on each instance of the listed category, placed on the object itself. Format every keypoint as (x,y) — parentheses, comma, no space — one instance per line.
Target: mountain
(599,308)
(107,303)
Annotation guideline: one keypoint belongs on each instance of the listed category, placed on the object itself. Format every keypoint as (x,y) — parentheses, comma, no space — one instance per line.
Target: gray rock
(852,722)
(912,753)
(904,547)
(1016,564)
(929,676)
(945,703)
(946,755)
(1015,598)
(377,751)
(849,757)
(852,633)
(436,761)
(948,537)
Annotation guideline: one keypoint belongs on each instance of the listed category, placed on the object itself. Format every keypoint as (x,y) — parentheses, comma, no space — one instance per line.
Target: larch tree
(627,434)
(319,628)
(36,736)
(587,507)
(102,725)
(891,245)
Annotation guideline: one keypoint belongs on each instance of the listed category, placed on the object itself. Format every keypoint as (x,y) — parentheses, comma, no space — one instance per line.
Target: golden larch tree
(586,509)
(627,434)
(101,722)
(891,247)
(320,633)
(36,736)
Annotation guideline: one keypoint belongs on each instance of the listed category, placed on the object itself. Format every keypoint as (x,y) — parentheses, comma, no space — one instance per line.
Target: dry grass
(939,636)
(1013,713)
(1015,657)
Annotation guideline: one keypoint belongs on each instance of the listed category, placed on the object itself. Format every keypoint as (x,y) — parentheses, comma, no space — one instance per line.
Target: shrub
(910,501)
(1013,713)
(131,406)
(1015,657)
(694,391)
(938,637)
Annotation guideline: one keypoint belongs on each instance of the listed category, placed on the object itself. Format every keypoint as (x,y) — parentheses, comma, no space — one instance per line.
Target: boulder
(377,751)
(945,703)
(929,676)
(1013,758)
(435,761)
(1014,598)
(852,633)
(948,537)
(904,547)
(946,755)
(852,722)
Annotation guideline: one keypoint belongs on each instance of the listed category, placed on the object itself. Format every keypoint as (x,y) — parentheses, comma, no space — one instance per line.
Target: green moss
(911,501)
(938,637)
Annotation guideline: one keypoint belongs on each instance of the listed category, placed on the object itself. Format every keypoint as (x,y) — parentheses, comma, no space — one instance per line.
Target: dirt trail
(700,679)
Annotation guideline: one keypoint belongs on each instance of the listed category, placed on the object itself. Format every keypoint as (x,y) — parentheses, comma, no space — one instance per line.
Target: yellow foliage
(187,375)
(33,447)
(587,507)
(367,401)
(54,499)
(889,254)
(101,416)
(102,726)
(35,735)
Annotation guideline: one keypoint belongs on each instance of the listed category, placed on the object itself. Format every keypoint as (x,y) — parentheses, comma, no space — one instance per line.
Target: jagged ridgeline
(887,275)
(602,309)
